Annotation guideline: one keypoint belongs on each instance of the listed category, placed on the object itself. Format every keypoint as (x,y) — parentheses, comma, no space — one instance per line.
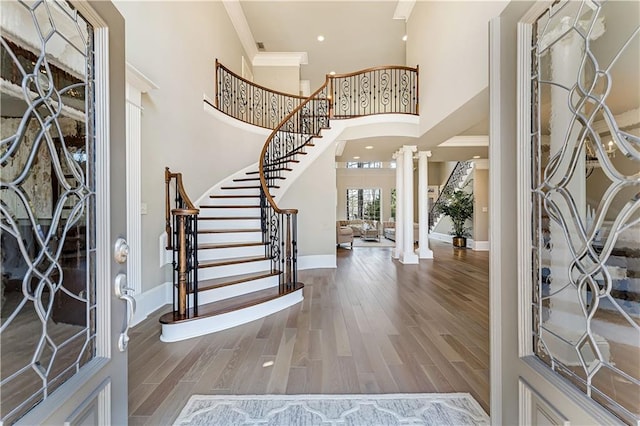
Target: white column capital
(424,154)
(397,154)
(409,148)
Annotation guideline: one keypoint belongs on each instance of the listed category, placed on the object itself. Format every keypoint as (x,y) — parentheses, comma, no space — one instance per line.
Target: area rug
(333,410)
(359,242)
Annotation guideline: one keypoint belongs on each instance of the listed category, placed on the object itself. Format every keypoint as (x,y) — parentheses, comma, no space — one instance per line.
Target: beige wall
(282,79)
(480,201)
(314,195)
(451,73)
(385,179)
(175,44)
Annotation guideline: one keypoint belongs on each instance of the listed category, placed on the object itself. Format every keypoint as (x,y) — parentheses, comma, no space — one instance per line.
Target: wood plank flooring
(372,325)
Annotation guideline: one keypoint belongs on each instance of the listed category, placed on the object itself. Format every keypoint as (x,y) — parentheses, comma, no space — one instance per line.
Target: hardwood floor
(372,325)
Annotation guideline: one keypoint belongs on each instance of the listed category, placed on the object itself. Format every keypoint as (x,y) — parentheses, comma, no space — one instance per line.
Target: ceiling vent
(260,46)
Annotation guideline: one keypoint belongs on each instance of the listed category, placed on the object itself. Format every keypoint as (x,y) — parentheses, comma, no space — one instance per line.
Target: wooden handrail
(379,68)
(251,83)
(263,179)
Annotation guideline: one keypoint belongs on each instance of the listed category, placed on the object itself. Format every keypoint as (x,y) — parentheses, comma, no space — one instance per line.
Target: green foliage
(459,207)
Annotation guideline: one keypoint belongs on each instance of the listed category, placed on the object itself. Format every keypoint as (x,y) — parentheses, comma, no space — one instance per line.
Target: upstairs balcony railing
(182,238)
(455,178)
(250,102)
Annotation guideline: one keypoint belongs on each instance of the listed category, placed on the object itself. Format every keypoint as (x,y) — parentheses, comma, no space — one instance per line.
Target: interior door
(578,213)
(62,193)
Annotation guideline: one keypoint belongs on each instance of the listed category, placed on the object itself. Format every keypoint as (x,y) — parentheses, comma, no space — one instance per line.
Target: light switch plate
(143,208)
(485,209)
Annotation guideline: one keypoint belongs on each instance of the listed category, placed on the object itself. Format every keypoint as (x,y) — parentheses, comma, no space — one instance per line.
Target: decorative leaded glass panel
(47,201)
(585,149)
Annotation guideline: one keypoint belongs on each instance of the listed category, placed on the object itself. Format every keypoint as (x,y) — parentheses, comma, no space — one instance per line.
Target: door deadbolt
(121,251)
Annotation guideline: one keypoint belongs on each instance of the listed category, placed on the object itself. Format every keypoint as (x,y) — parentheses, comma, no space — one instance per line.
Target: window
(364,165)
(363,204)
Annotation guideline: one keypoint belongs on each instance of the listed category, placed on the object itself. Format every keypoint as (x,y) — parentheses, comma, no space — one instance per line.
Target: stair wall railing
(372,91)
(181,226)
(457,174)
(250,102)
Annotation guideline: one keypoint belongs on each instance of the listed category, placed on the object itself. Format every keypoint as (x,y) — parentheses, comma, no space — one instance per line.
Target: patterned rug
(333,410)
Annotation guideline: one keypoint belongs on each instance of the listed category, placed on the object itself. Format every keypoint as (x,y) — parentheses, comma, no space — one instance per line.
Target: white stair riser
(244,212)
(229,237)
(243,191)
(188,329)
(235,290)
(236,269)
(228,224)
(253,201)
(228,253)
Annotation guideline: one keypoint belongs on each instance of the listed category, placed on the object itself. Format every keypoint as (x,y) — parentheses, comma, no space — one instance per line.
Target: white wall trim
(136,84)
(404,9)
(523,161)
(239,22)
(495,202)
(280,59)
(317,261)
(151,300)
(466,141)
(481,245)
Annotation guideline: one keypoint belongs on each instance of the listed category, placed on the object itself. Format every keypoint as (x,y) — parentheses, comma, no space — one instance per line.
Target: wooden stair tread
(248,187)
(257,178)
(234,196)
(231,304)
(231,206)
(230,261)
(278,169)
(227,231)
(229,218)
(235,279)
(229,245)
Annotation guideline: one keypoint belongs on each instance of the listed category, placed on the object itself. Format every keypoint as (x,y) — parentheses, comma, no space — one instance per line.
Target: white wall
(314,195)
(480,201)
(283,79)
(384,179)
(175,44)
(452,73)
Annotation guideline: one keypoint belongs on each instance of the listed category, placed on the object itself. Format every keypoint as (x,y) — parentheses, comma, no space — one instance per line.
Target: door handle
(125,293)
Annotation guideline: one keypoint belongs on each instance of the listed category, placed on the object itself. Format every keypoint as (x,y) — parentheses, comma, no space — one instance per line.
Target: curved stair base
(200,326)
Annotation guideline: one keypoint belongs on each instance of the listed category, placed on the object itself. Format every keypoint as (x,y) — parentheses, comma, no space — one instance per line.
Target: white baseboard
(150,301)
(449,240)
(481,245)
(317,261)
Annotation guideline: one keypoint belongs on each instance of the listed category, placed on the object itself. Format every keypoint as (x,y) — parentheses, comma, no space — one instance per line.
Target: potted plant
(459,207)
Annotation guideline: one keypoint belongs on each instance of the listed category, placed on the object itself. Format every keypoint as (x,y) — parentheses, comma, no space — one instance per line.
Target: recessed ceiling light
(356,158)
(332,73)
(404,37)
(476,156)
(320,38)
(368,147)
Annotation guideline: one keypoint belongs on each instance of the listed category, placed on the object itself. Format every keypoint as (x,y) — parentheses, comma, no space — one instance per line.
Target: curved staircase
(238,261)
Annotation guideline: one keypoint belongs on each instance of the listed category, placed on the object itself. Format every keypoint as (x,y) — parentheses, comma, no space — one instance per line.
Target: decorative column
(424,252)
(408,254)
(397,253)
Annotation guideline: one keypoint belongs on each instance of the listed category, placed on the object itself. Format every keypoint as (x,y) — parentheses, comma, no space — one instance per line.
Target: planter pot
(460,242)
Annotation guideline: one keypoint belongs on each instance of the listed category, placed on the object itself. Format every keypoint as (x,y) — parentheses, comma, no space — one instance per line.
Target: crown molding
(239,22)
(280,59)
(403,9)
(465,141)
(139,80)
